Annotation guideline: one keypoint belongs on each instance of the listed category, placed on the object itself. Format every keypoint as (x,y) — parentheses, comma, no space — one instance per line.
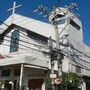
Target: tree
(71,79)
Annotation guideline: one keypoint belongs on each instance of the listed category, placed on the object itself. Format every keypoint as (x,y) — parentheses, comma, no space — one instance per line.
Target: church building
(24,42)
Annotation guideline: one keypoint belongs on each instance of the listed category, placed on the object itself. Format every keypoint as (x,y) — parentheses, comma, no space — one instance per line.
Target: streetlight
(10,82)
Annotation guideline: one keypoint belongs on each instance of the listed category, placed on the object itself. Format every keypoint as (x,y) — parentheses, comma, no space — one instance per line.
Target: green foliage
(71,79)
(1,83)
(48,82)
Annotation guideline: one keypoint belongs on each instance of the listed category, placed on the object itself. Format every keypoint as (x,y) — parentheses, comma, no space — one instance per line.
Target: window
(14,41)
(17,72)
(37,36)
(78,69)
(74,24)
(59,18)
(5,73)
(61,21)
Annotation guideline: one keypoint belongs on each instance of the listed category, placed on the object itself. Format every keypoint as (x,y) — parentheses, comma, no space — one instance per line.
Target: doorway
(35,84)
(7,86)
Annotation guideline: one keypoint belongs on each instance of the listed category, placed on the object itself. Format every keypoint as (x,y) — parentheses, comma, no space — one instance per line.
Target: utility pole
(53,17)
(52,61)
(21,77)
(57,47)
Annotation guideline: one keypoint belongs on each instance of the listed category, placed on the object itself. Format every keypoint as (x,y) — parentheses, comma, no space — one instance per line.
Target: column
(83,86)
(43,86)
(21,77)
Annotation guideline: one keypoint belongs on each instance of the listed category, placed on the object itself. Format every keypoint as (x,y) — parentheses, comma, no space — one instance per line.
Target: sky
(28,6)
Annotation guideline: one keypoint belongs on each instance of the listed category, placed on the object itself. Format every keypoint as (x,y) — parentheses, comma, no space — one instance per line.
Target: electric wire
(78,50)
(42,46)
(64,28)
(41,51)
(24,35)
(82,53)
(71,47)
(26,50)
(25,46)
(62,51)
(33,20)
(9,46)
(74,48)
(20,17)
(74,60)
(29,43)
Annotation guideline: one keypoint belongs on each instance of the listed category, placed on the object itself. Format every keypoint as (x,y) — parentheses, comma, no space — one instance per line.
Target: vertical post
(57,36)
(52,62)
(83,86)
(43,86)
(12,85)
(13,11)
(21,77)
(57,47)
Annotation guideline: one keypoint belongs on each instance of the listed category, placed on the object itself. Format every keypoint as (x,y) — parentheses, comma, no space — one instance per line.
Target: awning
(27,60)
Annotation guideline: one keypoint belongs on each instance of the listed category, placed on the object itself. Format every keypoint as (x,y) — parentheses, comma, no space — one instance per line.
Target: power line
(25,46)
(74,48)
(9,46)
(74,60)
(26,19)
(40,46)
(64,28)
(26,50)
(41,51)
(24,34)
(29,43)
(78,50)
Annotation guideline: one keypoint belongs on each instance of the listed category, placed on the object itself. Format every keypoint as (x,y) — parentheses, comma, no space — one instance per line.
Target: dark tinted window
(14,41)
(74,24)
(17,72)
(37,36)
(5,72)
(78,69)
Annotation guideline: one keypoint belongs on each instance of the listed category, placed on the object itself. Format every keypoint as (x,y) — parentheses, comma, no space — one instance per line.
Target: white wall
(75,38)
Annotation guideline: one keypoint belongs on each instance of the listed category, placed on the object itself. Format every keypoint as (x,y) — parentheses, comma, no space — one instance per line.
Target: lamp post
(11,84)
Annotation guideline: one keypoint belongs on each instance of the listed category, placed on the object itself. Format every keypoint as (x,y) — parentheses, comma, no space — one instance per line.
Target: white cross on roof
(13,9)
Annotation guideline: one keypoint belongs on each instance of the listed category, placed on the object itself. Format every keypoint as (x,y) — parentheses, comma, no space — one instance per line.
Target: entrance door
(87,85)
(35,83)
(15,85)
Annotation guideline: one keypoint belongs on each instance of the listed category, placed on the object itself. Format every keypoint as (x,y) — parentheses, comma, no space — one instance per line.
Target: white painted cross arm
(15,7)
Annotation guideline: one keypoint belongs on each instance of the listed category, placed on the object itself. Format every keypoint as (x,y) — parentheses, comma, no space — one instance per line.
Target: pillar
(83,86)
(21,77)
(43,86)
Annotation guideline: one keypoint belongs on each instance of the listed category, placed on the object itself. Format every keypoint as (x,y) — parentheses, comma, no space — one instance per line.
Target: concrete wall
(75,38)
(28,73)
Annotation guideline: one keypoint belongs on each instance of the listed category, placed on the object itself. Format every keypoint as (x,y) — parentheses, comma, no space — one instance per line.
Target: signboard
(58,81)
(53,75)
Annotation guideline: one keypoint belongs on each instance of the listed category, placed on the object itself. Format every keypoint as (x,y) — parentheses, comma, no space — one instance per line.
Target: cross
(13,9)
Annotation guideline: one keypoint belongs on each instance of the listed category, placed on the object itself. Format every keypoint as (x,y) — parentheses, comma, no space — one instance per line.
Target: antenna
(72,8)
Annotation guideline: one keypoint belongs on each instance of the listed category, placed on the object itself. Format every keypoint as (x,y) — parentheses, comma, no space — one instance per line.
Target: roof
(36,26)
(27,60)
